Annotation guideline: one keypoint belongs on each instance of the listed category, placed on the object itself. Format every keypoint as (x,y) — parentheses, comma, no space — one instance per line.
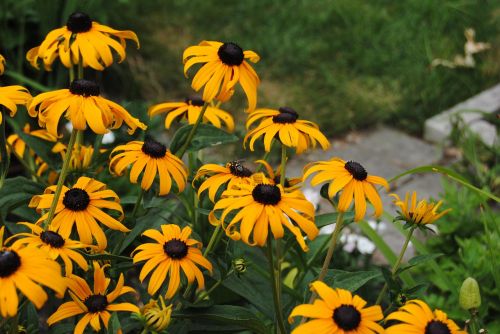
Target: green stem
(71,74)
(396,265)
(80,68)
(474,323)
(138,203)
(278,241)
(266,155)
(191,134)
(97,147)
(203,294)
(283,165)
(4,155)
(213,240)
(277,303)
(62,177)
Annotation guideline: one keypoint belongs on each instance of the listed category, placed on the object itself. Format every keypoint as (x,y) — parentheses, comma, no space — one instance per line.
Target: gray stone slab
(438,128)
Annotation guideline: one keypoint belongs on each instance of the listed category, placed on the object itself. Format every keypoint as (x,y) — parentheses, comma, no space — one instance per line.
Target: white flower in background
(312,196)
(355,241)
(108,138)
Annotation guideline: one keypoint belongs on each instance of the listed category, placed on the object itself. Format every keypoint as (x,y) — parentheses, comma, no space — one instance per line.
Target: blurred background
(347,64)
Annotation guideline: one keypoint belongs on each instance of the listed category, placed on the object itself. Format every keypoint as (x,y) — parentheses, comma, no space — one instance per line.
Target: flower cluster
(106,243)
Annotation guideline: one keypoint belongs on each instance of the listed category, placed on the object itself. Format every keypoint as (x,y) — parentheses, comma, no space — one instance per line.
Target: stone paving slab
(385,152)
(438,128)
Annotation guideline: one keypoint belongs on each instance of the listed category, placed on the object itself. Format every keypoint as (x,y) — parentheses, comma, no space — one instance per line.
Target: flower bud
(157,316)
(240,266)
(470,297)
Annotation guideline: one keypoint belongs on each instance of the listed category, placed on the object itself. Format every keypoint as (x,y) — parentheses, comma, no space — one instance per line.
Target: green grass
(346,64)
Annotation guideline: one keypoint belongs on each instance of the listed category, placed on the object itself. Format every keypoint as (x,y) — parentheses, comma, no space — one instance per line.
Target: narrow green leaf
(449,173)
(331,217)
(206,135)
(114,324)
(351,281)
(227,314)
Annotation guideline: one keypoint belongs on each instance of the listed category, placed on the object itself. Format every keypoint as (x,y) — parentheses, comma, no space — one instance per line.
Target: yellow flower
(337,311)
(81,205)
(2,64)
(224,66)
(421,213)
(157,315)
(24,268)
(190,109)
(275,175)
(284,125)
(96,304)
(233,173)
(19,146)
(55,245)
(11,96)
(261,205)
(417,318)
(81,158)
(352,179)
(152,157)
(81,40)
(172,253)
(81,104)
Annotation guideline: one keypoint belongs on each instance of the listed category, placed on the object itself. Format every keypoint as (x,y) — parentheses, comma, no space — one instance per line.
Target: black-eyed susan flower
(81,158)
(152,157)
(337,311)
(82,206)
(262,205)
(233,173)
(2,64)
(82,105)
(284,124)
(95,304)
(18,144)
(191,109)
(11,97)
(24,268)
(54,244)
(172,253)
(352,178)
(416,317)
(224,66)
(156,314)
(421,213)
(275,175)
(81,41)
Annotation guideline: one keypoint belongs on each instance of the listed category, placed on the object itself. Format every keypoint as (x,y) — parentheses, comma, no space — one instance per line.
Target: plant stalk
(138,203)
(191,134)
(396,265)
(62,177)
(275,284)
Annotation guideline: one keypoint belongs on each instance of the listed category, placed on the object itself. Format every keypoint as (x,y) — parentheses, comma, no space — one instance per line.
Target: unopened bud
(470,297)
(157,315)
(240,266)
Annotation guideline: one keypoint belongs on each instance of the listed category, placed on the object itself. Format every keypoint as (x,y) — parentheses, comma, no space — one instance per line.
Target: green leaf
(114,324)
(16,192)
(419,259)
(449,173)
(206,135)
(42,148)
(330,218)
(227,314)
(351,281)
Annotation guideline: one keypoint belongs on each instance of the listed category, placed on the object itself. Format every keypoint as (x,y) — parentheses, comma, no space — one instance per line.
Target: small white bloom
(108,138)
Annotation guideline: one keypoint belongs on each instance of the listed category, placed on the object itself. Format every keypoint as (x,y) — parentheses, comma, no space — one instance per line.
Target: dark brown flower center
(84,88)
(286,115)
(52,238)
(237,169)
(175,249)
(195,100)
(9,263)
(231,54)
(79,22)
(347,317)
(153,148)
(76,199)
(356,170)
(437,327)
(96,303)
(267,194)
